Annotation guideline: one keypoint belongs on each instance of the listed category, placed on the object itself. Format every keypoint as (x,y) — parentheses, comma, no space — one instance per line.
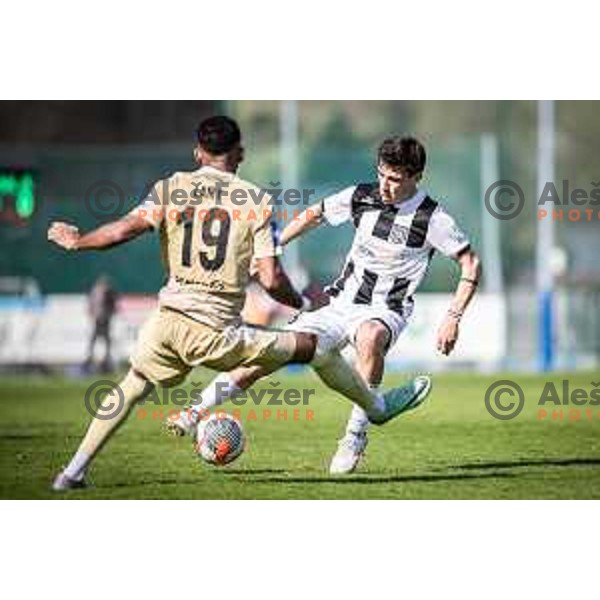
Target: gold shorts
(171,344)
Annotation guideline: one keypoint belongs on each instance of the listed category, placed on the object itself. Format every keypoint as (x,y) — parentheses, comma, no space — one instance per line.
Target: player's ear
(240,154)
(197,155)
(235,157)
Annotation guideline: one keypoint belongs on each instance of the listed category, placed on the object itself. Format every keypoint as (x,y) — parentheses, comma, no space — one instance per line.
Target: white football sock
(358,421)
(340,376)
(78,465)
(218,391)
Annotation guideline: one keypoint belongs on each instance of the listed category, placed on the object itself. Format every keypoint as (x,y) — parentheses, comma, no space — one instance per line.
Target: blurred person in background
(102,307)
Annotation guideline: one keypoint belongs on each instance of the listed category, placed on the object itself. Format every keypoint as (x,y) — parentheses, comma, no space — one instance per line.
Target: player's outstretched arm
(312,217)
(107,236)
(469,279)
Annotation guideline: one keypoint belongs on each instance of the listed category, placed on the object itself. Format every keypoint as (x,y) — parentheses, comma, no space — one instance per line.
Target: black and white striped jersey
(393,244)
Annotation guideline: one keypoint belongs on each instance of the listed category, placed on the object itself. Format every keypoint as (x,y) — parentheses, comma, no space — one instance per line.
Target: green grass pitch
(449,448)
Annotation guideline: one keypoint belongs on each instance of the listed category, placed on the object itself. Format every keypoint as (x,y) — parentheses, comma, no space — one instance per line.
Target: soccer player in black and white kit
(398,228)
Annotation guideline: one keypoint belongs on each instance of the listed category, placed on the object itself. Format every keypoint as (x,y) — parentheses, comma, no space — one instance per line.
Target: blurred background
(52,305)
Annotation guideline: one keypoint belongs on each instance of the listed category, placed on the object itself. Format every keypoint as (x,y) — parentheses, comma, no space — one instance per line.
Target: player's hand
(447,335)
(63,234)
(316,297)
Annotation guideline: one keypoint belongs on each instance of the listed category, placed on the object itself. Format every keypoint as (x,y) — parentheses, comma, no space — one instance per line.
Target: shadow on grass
(193,480)
(257,476)
(270,476)
(227,471)
(372,480)
(429,478)
(530,462)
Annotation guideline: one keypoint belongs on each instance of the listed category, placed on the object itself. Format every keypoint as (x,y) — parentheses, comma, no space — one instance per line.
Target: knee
(372,339)
(135,387)
(306,346)
(245,377)
(324,358)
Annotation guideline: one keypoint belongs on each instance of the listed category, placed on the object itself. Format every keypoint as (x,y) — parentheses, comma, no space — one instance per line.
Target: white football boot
(63,483)
(350,450)
(398,400)
(402,399)
(183,424)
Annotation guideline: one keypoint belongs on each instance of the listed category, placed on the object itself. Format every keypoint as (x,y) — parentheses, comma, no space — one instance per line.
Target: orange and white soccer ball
(220,439)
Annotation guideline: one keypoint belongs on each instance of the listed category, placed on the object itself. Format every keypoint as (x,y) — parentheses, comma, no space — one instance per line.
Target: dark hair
(218,135)
(405,152)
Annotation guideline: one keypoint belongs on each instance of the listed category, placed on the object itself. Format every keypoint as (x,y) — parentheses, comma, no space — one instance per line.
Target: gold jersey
(211,224)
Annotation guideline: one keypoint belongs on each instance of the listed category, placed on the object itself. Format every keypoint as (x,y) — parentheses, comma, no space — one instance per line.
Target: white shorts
(337,323)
